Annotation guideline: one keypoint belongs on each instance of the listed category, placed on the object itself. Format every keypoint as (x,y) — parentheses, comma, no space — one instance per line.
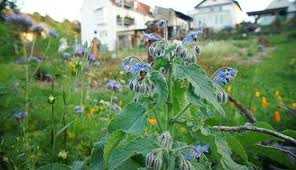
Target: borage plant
(175,91)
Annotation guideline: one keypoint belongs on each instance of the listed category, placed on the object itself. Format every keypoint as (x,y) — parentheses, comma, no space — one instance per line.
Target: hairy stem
(187,147)
(181,112)
(170,127)
(48,45)
(53,137)
(65,118)
(256,129)
(158,122)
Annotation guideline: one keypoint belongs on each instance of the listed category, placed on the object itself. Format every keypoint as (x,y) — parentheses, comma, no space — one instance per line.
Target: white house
(112,21)
(282,9)
(216,14)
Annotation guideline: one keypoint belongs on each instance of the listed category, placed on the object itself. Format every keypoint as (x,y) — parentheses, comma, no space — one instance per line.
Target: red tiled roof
(143,8)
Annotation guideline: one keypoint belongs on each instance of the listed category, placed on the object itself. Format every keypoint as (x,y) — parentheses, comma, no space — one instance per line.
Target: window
(99,14)
(221,19)
(216,19)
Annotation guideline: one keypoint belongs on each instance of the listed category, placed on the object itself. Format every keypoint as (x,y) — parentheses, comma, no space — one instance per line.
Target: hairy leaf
(179,97)
(78,165)
(289,132)
(55,166)
(203,86)
(275,155)
(236,147)
(140,145)
(112,142)
(225,152)
(129,164)
(97,159)
(161,87)
(131,120)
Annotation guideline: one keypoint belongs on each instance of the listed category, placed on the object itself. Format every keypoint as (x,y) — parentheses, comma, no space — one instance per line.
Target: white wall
(101,16)
(217,16)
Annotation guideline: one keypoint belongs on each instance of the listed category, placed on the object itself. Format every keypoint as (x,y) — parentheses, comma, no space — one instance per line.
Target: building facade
(216,14)
(115,23)
(178,23)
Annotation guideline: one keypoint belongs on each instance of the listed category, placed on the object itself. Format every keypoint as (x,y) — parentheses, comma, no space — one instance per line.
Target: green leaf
(236,147)
(112,142)
(161,87)
(275,155)
(289,132)
(225,152)
(55,166)
(192,97)
(97,159)
(130,165)
(78,165)
(160,62)
(131,120)
(140,145)
(179,97)
(203,86)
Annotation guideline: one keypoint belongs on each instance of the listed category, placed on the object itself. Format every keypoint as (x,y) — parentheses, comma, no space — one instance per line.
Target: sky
(70,9)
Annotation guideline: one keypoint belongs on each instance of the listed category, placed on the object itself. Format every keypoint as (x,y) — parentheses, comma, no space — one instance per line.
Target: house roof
(267,11)
(143,8)
(276,6)
(206,0)
(183,16)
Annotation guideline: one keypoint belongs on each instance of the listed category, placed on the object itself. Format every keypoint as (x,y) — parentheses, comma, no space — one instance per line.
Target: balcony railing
(125,3)
(126,21)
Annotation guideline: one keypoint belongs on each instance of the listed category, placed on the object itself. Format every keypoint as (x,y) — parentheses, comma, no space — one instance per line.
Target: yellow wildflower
(120,103)
(71,135)
(229,89)
(277,93)
(72,66)
(264,102)
(152,121)
(277,116)
(91,113)
(254,109)
(257,94)
(294,105)
(182,129)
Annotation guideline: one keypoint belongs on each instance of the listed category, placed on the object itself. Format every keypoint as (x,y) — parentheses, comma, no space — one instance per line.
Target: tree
(7,4)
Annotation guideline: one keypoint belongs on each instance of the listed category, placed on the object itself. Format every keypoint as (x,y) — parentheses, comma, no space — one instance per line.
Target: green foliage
(97,155)
(55,166)
(236,147)
(201,83)
(161,87)
(78,165)
(132,120)
(226,161)
(127,149)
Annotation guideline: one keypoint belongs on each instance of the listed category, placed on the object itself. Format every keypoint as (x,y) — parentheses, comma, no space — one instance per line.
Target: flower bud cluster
(154,159)
(166,140)
(185,164)
(141,84)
